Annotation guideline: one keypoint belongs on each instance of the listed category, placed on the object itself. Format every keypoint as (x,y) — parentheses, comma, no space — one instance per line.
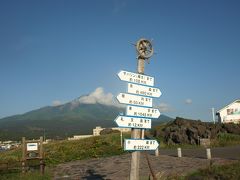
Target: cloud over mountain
(56,103)
(188,101)
(98,96)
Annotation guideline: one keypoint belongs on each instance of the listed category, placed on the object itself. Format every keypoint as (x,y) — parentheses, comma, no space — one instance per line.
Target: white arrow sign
(134,100)
(140,144)
(143,90)
(133,122)
(136,78)
(142,112)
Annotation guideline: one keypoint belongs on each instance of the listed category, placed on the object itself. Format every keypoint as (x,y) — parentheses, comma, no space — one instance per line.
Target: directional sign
(143,90)
(134,100)
(142,112)
(136,78)
(140,144)
(133,122)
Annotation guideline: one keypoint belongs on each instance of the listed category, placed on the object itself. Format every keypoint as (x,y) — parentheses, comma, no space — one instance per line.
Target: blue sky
(55,51)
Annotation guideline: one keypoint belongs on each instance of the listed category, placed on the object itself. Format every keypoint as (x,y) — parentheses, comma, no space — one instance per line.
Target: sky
(53,51)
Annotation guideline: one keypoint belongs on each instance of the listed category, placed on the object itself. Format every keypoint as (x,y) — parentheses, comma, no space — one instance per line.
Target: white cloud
(98,96)
(56,103)
(164,107)
(188,101)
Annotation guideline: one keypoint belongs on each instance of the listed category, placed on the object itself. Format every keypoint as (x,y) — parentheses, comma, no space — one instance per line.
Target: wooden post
(41,156)
(23,154)
(136,134)
(157,152)
(26,154)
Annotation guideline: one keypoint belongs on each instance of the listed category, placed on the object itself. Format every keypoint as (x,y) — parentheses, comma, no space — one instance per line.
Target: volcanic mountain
(79,116)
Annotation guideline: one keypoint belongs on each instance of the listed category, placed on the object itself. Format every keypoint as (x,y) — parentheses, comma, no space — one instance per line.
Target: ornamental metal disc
(144,48)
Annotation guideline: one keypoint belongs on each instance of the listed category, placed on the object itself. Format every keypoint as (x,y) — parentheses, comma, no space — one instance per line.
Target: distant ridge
(62,121)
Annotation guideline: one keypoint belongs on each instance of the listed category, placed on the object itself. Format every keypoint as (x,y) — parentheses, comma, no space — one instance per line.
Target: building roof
(236,101)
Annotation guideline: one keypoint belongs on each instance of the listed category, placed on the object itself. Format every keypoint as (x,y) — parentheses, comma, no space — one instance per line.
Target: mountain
(62,121)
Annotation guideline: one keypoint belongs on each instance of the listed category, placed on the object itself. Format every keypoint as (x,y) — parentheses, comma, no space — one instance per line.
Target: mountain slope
(62,121)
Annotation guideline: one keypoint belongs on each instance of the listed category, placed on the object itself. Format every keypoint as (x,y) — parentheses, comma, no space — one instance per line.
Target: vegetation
(229,171)
(225,139)
(16,174)
(100,146)
(94,147)
(60,152)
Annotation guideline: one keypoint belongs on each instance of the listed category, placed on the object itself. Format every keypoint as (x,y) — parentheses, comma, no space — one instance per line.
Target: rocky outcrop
(185,131)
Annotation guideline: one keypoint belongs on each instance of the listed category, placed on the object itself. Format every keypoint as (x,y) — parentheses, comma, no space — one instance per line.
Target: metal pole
(136,134)
(121,137)
(213,116)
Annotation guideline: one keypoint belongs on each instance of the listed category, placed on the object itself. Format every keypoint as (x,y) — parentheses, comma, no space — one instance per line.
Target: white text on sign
(125,98)
(133,122)
(143,90)
(140,144)
(136,78)
(142,112)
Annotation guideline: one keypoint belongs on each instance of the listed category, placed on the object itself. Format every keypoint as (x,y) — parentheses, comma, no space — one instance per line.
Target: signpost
(143,90)
(32,149)
(142,112)
(133,122)
(139,110)
(140,144)
(125,98)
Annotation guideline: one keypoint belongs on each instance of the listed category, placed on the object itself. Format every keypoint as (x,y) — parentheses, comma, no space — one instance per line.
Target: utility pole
(145,51)
(213,115)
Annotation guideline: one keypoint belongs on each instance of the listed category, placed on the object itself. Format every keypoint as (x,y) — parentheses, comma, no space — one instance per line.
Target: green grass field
(229,171)
(61,152)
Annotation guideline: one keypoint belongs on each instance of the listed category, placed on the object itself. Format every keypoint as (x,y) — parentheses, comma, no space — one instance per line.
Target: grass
(229,171)
(94,147)
(16,174)
(225,139)
(61,152)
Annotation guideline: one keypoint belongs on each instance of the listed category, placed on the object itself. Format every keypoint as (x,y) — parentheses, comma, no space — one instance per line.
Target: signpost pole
(23,154)
(136,134)
(41,156)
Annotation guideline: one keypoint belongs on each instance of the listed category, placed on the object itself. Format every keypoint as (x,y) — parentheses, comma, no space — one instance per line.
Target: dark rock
(185,131)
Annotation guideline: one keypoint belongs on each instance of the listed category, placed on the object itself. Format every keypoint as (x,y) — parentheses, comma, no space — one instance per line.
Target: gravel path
(118,167)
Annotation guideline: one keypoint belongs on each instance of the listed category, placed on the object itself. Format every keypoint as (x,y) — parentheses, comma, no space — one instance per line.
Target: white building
(76,137)
(230,113)
(98,129)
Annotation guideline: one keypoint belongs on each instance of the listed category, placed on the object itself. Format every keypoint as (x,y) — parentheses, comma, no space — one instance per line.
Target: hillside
(62,121)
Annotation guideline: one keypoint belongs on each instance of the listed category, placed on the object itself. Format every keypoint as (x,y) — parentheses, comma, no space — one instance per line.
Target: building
(98,129)
(230,113)
(76,137)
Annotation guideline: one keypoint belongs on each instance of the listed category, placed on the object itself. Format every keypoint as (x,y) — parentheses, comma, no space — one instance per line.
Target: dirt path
(118,167)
